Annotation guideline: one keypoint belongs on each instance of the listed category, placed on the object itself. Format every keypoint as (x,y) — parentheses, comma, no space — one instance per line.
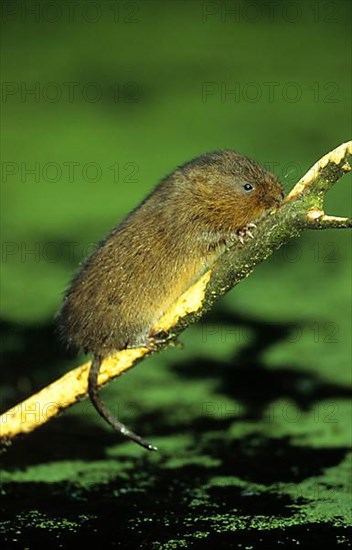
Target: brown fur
(160,249)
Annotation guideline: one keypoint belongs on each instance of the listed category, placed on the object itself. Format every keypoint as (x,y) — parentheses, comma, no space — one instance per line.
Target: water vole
(148,260)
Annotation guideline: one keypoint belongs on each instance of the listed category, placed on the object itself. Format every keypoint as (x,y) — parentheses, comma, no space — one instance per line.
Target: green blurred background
(99,101)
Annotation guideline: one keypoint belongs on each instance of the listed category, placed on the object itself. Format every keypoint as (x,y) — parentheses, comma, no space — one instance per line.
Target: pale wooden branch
(301,209)
(316,219)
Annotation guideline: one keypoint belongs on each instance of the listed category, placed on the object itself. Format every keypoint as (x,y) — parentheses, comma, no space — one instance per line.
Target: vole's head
(229,185)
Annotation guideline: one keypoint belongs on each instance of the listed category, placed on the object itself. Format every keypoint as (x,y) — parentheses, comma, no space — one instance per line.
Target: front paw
(245,232)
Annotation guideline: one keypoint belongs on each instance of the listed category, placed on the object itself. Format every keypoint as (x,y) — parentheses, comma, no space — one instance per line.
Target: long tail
(104,411)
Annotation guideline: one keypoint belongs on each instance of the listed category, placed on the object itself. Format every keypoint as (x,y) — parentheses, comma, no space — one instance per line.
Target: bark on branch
(302,209)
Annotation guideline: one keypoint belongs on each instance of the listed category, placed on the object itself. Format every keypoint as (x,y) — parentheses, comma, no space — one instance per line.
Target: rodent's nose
(279,198)
(273,201)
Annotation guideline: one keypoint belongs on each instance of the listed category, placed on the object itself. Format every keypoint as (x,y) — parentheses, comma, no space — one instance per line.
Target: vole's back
(131,278)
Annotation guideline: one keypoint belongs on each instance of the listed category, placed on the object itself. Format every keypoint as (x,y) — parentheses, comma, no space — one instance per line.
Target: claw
(245,232)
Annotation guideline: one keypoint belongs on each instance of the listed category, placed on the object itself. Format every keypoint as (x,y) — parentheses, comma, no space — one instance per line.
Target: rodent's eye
(248,187)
